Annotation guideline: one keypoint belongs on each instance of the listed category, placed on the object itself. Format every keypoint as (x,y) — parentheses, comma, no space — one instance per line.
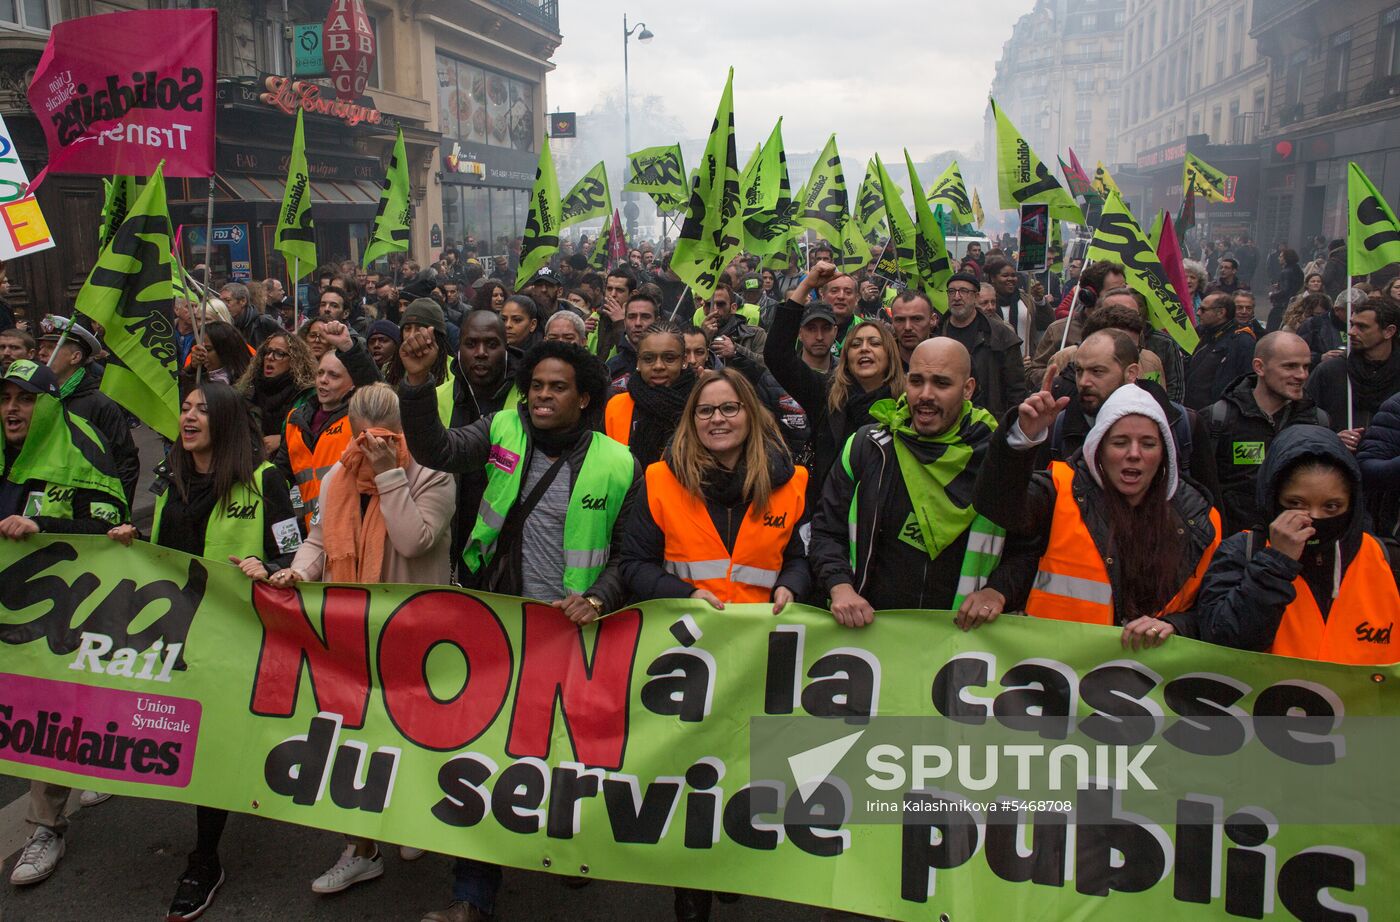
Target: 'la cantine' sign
(347,47)
(290,95)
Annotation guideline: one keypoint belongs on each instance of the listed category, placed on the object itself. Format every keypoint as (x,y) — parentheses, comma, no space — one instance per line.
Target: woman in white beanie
(1114,537)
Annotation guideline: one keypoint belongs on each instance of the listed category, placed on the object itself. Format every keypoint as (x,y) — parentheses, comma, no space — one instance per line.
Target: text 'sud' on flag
(713,230)
(589,198)
(119,93)
(129,292)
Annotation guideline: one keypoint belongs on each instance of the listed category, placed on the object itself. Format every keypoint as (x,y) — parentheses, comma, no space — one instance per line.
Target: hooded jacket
(1018,497)
(1379,458)
(1249,585)
(1224,353)
(1240,436)
(109,419)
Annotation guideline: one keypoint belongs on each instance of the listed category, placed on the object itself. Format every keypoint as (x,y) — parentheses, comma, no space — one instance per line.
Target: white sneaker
(409,853)
(39,857)
(93,798)
(349,870)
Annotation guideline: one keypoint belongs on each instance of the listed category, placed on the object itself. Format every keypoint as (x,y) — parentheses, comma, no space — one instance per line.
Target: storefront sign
(263,161)
(289,95)
(348,48)
(232,239)
(306,50)
(480,164)
(1160,156)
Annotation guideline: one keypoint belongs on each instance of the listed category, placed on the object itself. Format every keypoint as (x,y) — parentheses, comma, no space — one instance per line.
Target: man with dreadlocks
(895,527)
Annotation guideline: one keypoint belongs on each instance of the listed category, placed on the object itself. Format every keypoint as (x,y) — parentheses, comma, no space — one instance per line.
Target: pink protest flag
(120,92)
(617,242)
(1169,255)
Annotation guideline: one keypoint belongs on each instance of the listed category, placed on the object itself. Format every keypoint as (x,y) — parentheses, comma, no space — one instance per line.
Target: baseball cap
(544,274)
(37,379)
(818,310)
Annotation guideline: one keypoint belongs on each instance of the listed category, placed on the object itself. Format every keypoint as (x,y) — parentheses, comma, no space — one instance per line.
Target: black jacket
(1249,585)
(1379,458)
(1323,333)
(644,545)
(1334,272)
(1240,436)
(1290,282)
(623,363)
(467,407)
(464,450)
(256,327)
(1223,355)
(792,419)
(110,421)
(1018,497)
(997,365)
(1327,386)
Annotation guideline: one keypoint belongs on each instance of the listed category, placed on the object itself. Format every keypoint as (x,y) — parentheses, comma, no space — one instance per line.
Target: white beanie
(1130,400)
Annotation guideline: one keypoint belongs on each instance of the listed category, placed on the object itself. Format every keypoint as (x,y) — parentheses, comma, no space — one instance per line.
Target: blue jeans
(476,882)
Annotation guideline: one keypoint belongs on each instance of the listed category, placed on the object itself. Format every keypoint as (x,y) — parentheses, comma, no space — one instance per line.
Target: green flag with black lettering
(824,207)
(589,198)
(769,209)
(130,293)
(930,250)
(1203,179)
(1120,239)
(295,238)
(901,226)
(657,171)
(395,209)
(119,193)
(1022,179)
(870,206)
(1373,235)
(541,238)
(948,190)
(713,230)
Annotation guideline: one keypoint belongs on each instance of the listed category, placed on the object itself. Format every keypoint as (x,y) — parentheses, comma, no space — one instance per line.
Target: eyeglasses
(666,358)
(278,354)
(728,410)
(961,291)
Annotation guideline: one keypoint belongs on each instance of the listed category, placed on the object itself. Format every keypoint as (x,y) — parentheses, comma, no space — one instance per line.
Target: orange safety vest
(309,467)
(695,552)
(1359,624)
(1072,583)
(617,418)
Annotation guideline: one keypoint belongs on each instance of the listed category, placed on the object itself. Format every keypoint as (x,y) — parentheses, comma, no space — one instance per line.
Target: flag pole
(1073,303)
(208,264)
(296,290)
(1350,290)
(678,302)
(62,338)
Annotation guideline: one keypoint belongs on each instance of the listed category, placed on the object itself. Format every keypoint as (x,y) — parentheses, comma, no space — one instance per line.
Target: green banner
(118,194)
(870,206)
(768,204)
(541,238)
(391,223)
(673,744)
(901,226)
(713,230)
(948,190)
(295,238)
(589,198)
(1022,179)
(1120,239)
(658,171)
(1373,234)
(824,207)
(930,249)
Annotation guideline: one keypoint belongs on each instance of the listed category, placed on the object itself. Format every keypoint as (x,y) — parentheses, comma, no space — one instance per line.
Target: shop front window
(479,106)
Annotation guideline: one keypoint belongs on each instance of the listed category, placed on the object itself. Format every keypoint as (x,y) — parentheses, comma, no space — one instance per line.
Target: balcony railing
(544,12)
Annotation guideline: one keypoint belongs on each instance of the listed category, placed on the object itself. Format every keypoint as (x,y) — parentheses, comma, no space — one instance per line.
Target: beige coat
(418,506)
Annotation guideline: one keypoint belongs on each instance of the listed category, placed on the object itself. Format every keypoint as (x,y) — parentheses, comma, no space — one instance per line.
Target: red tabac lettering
(338,666)
(418,625)
(593,696)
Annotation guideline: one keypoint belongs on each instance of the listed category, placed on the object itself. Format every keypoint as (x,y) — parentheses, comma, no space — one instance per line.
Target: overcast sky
(882,74)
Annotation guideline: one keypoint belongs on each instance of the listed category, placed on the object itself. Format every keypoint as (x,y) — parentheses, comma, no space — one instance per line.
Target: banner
(870,206)
(657,171)
(118,93)
(900,248)
(1022,179)
(25,230)
(824,207)
(769,209)
(948,190)
(589,198)
(541,238)
(130,293)
(713,230)
(1373,235)
(1080,184)
(930,250)
(670,744)
(1033,239)
(1119,238)
(295,238)
(390,233)
(1200,178)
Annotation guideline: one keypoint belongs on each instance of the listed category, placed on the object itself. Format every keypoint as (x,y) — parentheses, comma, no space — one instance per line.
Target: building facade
(1059,80)
(1334,72)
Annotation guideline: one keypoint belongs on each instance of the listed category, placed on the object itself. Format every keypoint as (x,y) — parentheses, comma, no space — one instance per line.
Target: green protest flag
(977,211)
(949,191)
(1120,239)
(129,292)
(541,238)
(746,174)
(1021,177)
(870,206)
(1154,233)
(118,194)
(657,171)
(1373,235)
(930,250)
(824,207)
(1203,179)
(901,226)
(769,209)
(713,230)
(589,198)
(295,238)
(395,209)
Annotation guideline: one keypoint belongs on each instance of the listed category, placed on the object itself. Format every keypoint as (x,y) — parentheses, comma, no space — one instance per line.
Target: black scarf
(274,398)
(1373,382)
(725,488)
(657,413)
(555,442)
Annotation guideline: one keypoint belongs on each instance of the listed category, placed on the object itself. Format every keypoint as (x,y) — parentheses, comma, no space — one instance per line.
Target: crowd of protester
(803,434)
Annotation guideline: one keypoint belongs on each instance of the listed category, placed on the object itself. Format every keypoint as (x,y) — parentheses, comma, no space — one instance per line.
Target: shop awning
(323,191)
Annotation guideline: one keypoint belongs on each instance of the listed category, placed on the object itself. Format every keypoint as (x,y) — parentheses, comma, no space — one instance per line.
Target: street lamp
(644,35)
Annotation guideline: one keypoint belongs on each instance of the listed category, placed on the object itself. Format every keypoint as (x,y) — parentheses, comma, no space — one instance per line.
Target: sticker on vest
(911,534)
(297,506)
(34,505)
(1250,453)
(504,459)
(315,513)
(287,535)
(106,512)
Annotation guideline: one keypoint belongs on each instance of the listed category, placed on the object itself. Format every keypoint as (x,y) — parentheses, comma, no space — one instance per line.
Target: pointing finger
(1049,381)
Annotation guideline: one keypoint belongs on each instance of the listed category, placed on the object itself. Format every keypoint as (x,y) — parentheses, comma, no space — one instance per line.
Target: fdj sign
(306,50)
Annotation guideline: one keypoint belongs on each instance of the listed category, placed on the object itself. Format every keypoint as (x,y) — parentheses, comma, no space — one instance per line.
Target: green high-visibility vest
(594,503)
(446,398)
(236,526)
(748,311)
(56,501)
